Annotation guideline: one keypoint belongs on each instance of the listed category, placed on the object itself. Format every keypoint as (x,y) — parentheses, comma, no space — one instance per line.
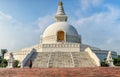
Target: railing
(27,58)
(93,56)
(66,47)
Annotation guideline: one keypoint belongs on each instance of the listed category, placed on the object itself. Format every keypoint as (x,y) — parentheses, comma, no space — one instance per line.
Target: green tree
(118,56)
(117,61)
(104,64)
(15,64)
(3,51)
(3,62)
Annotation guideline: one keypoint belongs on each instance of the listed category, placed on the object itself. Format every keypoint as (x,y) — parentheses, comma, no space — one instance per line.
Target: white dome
(69,33)
(60,26)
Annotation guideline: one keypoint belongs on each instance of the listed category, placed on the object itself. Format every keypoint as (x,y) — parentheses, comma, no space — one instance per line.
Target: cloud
(16,35)
(44,21)
(86,4)
(101,29)
(5,16)
(12,32)
(89,7)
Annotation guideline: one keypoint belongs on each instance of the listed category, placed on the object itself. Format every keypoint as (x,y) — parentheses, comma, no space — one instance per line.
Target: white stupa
(60,31)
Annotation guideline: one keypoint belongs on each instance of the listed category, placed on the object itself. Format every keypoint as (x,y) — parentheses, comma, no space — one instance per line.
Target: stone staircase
(62,59)
(41,59)
(82,59)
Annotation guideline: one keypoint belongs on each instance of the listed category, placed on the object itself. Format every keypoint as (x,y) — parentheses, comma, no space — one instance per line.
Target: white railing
(66,47)
(27,57)
(93,56)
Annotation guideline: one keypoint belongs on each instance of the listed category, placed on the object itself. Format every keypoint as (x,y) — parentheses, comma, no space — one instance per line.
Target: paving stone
(61,72)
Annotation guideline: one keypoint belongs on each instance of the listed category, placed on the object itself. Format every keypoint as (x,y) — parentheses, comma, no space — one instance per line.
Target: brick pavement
(62,72)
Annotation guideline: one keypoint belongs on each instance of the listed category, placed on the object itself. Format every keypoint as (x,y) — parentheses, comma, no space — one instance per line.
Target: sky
(23,21)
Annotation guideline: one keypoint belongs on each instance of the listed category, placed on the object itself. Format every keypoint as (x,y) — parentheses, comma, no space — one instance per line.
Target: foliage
(104,64)
(3,51)
(118,56)
(3,62)
(117,61)
(15,64)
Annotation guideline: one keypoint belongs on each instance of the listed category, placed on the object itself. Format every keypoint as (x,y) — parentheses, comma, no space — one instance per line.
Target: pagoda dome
(60,26)
(60,32)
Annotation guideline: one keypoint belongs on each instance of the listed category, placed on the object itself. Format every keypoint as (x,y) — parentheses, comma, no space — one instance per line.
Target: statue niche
(60,36)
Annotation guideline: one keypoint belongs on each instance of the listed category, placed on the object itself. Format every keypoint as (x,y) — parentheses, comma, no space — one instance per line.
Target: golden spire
(60,3)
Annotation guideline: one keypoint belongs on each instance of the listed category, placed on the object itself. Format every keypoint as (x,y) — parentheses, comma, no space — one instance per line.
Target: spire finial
(60,10)
(60,3)
(60,15)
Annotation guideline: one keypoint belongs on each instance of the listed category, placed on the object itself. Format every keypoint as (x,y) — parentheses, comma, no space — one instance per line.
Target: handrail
(93,56)
(27,58)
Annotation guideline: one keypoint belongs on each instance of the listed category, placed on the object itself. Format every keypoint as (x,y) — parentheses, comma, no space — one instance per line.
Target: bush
(117,61)
(15,64)
(3,62)
(104,64)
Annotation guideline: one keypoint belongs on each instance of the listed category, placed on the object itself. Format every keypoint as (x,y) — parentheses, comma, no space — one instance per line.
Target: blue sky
(23,21)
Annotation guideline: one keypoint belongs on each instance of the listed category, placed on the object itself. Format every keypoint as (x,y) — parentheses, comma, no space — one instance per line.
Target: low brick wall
(62,72)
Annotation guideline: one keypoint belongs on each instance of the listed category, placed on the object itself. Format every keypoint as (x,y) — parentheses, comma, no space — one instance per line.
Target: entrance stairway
(60,59)
(41,59)
(82,59)
(63,59)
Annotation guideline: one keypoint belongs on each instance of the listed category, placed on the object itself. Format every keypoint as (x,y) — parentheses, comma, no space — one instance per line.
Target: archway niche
(60,36)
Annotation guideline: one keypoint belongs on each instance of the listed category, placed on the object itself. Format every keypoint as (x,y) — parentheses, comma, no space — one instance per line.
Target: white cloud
(86,4)
(12,33)
(15,35)
(101,29)
(5,16)
(109,41)
(43,22)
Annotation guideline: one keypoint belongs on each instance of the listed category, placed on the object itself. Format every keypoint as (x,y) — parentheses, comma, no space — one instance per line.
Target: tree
(15,64)
(3,62)
(118,56)
(117,61)
(3,51)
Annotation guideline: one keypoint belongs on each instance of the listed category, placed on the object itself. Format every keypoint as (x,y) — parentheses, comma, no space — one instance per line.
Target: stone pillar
(10,61)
